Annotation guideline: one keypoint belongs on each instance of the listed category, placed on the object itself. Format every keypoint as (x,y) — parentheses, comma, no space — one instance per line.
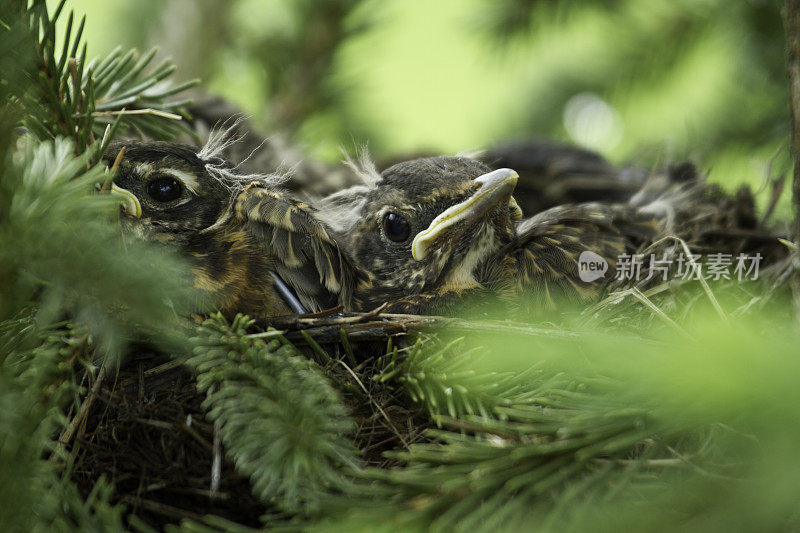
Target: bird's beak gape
(489,190)
(130,204)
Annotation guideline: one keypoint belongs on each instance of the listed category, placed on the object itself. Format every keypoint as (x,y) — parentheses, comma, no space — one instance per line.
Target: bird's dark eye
(164,189)
(395,227)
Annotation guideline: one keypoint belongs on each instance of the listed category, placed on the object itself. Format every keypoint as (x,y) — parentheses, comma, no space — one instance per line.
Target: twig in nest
(72,427)
(196,436)
(162,509)
(117,161)
(636,293)
(701,279)
(156,370)
(324,312)
(376,404)
(216,466)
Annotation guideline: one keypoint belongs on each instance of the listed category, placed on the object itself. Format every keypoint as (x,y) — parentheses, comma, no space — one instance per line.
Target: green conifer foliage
(280,420)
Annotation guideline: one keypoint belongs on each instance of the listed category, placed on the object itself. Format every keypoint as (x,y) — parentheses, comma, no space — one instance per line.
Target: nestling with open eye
(249,242)
(431,232)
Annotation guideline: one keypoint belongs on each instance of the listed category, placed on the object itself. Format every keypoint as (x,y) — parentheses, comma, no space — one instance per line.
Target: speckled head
(167,187)
(242,234)
(432,221)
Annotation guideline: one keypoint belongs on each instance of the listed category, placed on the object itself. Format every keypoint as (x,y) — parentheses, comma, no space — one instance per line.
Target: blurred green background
(642,81)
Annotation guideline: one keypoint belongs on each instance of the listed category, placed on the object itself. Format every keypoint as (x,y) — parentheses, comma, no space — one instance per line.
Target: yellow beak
(490,190)
(130,204)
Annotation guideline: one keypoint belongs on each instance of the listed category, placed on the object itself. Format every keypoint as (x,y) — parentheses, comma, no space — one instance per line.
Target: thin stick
(110,171)
(69,431)
(703,282)
(376,404)
(216,465)
(636,293)
(700,278)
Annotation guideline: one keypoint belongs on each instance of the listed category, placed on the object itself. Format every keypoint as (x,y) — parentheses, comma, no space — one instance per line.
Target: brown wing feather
(549,244)
(305,256)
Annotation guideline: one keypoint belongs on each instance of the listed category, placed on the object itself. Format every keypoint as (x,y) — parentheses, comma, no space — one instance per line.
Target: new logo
(591,266)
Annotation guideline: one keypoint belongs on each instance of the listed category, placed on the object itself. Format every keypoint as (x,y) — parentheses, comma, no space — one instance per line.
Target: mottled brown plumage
(434,232)
(238,230)
(553,173)
(543,258)
(425,236)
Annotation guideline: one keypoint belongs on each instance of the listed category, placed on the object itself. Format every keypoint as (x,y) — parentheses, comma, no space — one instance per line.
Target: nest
(147,434)
(143,428)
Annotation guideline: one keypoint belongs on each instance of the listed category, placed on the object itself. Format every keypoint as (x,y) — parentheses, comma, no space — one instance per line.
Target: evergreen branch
(281,422)
(490,474)
(66,97)
(62,263)
(55,235)
(33,497)
(444,379)
(514,444)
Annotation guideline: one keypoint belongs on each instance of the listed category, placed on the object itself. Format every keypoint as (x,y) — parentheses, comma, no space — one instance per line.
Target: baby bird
(255,250)
(432,232)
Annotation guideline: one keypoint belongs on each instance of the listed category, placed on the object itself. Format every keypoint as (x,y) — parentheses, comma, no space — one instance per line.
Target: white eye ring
(189,181)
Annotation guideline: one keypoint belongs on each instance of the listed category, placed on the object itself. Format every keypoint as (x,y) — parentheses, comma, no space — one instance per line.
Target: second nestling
(433,232)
